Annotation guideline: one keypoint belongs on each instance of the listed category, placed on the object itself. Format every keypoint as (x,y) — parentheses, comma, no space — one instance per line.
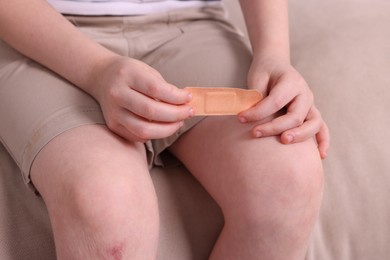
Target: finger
(117,127)
(323,141)
(154,110)
(146,130)
(129,136)
(278,98)
(159,89)
(307,130)
(257,78)
(295,116)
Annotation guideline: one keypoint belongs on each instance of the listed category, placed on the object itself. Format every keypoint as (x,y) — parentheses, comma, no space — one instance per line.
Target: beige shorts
(193,47)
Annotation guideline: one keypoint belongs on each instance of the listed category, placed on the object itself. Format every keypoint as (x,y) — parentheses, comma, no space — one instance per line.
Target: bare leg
(99,195)
(269,193)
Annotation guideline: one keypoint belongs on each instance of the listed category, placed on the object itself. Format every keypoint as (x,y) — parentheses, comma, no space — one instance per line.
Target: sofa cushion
(343,50)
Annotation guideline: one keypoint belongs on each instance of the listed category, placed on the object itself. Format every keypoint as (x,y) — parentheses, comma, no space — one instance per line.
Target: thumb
(258,80)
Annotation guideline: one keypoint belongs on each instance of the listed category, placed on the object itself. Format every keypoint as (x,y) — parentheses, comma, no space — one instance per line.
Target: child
(90,98)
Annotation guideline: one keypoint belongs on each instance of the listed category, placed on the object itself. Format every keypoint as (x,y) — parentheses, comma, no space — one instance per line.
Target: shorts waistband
(216,11)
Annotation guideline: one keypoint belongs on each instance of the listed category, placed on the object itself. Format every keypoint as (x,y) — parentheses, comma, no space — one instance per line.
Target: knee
(290,187)
(110,217)
(299,182)
(99,190)
(103,202)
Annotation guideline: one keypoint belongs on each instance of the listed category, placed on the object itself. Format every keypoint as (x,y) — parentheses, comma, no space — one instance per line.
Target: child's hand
(137,103)
(284,87)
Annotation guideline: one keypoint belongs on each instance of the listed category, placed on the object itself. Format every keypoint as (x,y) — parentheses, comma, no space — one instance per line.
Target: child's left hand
(284,87)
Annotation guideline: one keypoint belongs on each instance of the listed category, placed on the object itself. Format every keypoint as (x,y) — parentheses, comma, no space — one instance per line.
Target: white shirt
(124,7)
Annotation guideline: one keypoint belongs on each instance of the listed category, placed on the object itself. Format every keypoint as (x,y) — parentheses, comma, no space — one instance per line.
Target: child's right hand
(137,103)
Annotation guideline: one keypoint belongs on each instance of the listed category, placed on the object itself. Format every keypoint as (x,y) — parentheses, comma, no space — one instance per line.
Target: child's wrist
(271,54)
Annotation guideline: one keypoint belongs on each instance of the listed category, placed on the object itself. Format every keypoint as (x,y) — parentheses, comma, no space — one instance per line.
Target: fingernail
(323,155)
(191,112)
(189,97)
(290,138)
(242,119)
(258,134)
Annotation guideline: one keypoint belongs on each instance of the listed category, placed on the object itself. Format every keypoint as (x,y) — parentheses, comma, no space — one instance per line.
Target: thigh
(240,171)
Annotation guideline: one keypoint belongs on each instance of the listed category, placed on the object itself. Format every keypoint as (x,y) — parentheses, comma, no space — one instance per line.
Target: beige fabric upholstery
(343,49)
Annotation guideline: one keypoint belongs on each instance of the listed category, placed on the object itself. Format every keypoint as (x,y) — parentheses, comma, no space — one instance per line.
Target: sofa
(342,47)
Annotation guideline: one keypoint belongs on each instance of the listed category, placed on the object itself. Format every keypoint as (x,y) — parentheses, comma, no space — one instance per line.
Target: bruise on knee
(116,252)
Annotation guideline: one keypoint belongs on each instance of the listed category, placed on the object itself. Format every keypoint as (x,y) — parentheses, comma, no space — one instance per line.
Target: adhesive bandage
(222,101)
